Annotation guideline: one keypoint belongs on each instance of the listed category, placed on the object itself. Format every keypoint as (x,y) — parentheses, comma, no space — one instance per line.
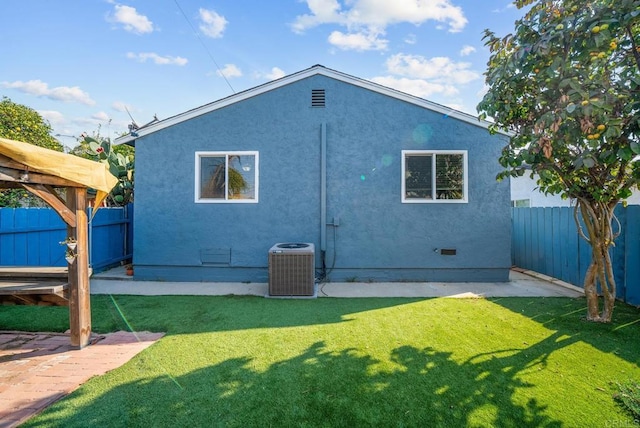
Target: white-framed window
(434,176)
(226,177)
(521,203)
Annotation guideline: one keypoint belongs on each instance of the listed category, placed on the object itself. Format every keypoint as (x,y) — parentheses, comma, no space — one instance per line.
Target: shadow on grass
(568,317)
(319,387)
(194,314)
(199,314)
(324,386)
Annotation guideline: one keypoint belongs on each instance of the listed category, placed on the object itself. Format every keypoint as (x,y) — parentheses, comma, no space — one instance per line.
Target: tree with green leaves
(566,84)
(21,123)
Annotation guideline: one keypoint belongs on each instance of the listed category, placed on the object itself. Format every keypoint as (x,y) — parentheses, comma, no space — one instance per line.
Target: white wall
(526,188)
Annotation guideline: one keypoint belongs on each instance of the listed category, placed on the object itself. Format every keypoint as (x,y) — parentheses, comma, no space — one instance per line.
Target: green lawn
(249,361)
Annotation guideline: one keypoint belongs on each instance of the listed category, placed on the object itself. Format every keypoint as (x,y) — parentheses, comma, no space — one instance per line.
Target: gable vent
(317,98)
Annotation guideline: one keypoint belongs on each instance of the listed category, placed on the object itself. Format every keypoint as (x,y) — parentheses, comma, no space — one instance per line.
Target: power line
(204,45)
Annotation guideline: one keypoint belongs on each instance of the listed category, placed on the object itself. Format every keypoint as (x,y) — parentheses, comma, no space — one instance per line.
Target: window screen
(438,176)
(227,177)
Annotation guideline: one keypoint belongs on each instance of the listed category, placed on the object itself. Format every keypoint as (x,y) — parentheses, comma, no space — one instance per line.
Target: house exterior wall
(525,193)
(377,237)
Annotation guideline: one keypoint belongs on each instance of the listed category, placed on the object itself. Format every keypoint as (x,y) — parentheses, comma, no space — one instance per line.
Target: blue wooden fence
(32,236)
(546,240)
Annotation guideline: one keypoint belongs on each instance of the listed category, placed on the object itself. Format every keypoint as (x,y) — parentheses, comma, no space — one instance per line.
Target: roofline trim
(292,78)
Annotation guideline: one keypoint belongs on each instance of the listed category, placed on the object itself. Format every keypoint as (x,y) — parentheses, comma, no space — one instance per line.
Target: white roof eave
(313,71)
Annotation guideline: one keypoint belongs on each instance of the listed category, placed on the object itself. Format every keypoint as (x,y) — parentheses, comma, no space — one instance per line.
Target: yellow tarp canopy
(84,172)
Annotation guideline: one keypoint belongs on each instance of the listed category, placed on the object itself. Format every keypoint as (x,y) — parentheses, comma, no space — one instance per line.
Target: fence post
(632,256)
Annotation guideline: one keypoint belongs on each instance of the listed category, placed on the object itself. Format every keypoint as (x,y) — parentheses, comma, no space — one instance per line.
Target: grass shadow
(319,387)
(247,361)
(194,314)
(568,317)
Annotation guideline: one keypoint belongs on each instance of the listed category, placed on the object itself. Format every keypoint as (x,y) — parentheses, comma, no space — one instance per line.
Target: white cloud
(101,116)
(322,12)
(213,25)
(131,20)
(483,91)
(411,39)
(418,87)
(157,59)
(505,8)
(426,77)
(54,117)
(229,70)
(459,107)
(377,14)
(363,41)
(67,127)
(93,124)
(121,107)
(437,69)
(275,73)
(41,89)
(467,50)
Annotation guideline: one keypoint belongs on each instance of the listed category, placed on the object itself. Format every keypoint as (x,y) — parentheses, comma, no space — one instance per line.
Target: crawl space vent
(317,98)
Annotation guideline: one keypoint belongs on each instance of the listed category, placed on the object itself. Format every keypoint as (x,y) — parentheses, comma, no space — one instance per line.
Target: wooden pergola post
(41,172)
(79,296)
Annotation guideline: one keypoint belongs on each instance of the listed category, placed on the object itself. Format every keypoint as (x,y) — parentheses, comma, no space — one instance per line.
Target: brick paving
(37,369)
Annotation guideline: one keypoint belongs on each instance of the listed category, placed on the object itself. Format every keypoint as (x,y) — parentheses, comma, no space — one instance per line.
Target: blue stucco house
(387,186)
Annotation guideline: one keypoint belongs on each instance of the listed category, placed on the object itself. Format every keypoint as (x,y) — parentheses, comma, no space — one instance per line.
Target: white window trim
(465,185)
(226,200)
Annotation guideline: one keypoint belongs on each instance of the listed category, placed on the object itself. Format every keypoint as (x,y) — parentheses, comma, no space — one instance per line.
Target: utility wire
(204,45)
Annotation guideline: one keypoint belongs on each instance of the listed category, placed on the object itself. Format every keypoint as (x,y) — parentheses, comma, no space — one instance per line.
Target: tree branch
(576,209)
(634,47)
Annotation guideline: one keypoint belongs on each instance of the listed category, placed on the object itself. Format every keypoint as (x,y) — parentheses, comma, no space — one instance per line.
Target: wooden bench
(43,286)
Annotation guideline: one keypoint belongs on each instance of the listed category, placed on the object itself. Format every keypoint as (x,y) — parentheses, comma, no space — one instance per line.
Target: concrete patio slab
(521,284)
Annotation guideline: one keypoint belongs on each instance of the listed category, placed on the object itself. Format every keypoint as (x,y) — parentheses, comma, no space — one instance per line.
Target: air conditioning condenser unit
(292,269)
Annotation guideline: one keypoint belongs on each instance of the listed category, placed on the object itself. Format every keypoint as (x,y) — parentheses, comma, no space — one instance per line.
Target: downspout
(323,198)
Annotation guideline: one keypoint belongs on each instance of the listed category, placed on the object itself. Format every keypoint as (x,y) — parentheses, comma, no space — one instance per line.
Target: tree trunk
(591,292)
(598,219)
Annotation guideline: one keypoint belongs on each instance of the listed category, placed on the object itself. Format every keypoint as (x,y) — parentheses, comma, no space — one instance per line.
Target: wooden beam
(52,190)
(79,297)
(20,299)
(31,273)
(33,287)
(49,196)
(7,162)
(33,300)
(26,176)
(10,185)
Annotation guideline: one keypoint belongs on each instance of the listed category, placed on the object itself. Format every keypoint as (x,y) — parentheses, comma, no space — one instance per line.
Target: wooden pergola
(41,172)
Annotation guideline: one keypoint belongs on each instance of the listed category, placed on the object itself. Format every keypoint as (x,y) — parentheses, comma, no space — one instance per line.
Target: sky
(92,66)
